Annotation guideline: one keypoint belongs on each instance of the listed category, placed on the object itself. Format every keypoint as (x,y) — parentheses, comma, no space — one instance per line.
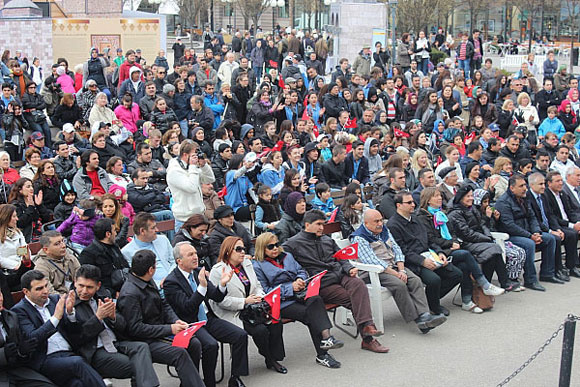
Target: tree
(252,9)
(189,9)
(528,9)
(417,15)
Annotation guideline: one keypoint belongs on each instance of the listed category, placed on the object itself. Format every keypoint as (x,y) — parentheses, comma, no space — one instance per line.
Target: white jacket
(8,257)
(225,71)
(185,187)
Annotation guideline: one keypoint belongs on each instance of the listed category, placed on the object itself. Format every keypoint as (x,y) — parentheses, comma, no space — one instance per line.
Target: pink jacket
(66,83)
(128,211)
(129,117)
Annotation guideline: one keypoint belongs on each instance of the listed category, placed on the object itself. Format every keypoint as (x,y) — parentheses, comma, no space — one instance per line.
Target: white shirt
(94,307)
(56,342)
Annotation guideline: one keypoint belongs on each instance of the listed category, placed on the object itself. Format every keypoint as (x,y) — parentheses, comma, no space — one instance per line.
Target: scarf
(278,261)
(241,273)
(21,81)
(440,222)
(428,112)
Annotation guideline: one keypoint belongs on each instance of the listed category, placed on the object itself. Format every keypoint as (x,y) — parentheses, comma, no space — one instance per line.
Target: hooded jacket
(272,177)
(128,86)
(314,168)
(83,185)
(375,163)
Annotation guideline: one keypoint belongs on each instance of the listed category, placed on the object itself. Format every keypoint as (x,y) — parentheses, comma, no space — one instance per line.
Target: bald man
(376,246)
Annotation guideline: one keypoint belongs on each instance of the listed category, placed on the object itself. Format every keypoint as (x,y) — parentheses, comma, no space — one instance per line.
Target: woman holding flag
(245,289)
(299,300)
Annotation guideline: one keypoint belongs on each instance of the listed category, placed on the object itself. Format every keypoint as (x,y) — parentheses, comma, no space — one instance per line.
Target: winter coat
(107,258)
(82,230)
(516,216)
(32,101)
(146,199)
(55,271)
(129,117)
(333,105)
(95,69)
(27,215)
(50,193)
(163,120)
(288,227)
(101,114)
(128,87)
(8,257)
(220,233)
(362,64)
(64,114)
(426,218)
(259,115)
(404,59)
(182,104)
(83,184)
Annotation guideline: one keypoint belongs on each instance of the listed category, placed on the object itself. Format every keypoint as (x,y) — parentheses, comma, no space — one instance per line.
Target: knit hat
(461,192)
(66,187)
(331,86)
(117,191)
(60,70)
(222,212)
(469,167)
(479,196)
(290,205)
(167,88)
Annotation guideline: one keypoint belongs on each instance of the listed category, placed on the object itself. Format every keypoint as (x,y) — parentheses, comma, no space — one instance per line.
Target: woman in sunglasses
(244,288)
(274,268)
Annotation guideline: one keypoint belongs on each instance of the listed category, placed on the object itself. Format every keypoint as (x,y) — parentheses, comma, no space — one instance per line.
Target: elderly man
(376,246)
(518,220)
(146,238)
(340,285)
(572,186)
(448,187)
(227,68)
(566,221)
(56,262)
(188,291)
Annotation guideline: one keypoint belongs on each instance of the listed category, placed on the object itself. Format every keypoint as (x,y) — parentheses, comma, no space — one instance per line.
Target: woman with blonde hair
(14,253)
(274,268)
(245,289)
(419,161)
(527,113)
(502,170)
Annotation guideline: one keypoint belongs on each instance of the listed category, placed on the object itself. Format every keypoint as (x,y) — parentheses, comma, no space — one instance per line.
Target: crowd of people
(249,150)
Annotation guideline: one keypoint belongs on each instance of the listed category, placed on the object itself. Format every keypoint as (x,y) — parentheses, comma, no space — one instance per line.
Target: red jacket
(124,71)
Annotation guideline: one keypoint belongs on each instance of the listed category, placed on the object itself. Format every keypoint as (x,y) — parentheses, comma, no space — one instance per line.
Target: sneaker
(493,291)
(108,382)
(331,343)
(472,307)
(328,361)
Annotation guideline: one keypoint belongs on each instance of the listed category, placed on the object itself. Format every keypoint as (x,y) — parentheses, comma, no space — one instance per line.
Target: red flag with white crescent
(349,252)
(182,338)
(333,215)
(273,299)
(314,285)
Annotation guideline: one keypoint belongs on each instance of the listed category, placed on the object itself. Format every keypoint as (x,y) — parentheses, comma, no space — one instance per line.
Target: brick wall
(93,8)
(32,36)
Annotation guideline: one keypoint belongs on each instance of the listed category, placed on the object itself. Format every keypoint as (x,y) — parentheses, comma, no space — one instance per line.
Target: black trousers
(570,245)
(497,265)
(26,377)
(67,369)
(268,339)
(438,283)
(218,330)
(182,359)
(312,314)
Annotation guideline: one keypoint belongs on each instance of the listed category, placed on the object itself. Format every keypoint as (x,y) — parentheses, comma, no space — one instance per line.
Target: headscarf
(440,222)
(562,109)
(570,92)
(479,196)
(290,205)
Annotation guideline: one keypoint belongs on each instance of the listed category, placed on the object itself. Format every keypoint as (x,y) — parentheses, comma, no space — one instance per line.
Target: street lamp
(274,4)
(230,11)
(393,5)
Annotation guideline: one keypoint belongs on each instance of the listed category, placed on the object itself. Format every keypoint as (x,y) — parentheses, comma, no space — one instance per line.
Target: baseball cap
(68,128)
(37,136)
(250,157)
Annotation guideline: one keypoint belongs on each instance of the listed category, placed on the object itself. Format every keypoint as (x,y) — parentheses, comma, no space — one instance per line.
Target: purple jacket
(82,230)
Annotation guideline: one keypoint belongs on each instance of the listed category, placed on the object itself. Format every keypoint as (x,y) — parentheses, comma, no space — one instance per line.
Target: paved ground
(469,350)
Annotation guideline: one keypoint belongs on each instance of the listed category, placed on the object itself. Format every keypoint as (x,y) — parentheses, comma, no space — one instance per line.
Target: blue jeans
(178,224)
(44,129)
(165,215)
(464,64)
(183,124)
(424,66)
(547,247)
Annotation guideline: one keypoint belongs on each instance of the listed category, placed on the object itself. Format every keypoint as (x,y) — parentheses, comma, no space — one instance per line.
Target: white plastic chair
(500,238)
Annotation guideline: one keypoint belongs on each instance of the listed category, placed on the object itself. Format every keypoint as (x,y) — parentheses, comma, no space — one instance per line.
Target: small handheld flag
(182,338)
(314,285)
(349,252)
(273,299)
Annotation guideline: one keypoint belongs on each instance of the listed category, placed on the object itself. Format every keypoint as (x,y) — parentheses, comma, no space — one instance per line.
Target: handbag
(482,300)
(38,116)
(118,278)
(300,296)
(256,314)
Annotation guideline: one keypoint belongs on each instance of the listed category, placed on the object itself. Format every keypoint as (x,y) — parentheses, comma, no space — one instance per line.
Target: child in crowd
(68,197)
(82,221)
(323,201)
(268,211)
(324,146)
(121,195)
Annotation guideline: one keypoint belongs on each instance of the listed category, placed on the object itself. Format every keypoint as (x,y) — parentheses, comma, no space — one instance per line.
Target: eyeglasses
(240,249)
(272,246)
(409,202)
(161,72)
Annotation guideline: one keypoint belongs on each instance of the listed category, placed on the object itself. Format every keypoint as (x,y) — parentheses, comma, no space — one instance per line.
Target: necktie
(105,335)
(201,315)
(454,191)
(544,218)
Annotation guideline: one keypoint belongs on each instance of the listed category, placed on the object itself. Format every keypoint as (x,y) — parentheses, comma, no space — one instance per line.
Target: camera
(200,155)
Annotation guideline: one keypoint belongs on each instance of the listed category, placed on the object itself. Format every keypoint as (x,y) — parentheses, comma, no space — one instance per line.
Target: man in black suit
(43,318)
(15,352)
(542,210)
(572,186)
(568,220)
(187,290)
(101,326)
(150,318)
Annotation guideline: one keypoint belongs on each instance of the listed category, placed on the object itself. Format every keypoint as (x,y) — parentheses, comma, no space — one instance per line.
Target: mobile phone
(22,251)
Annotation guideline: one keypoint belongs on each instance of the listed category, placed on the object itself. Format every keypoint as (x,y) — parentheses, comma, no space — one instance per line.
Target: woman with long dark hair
(14,253)
(293,182)
(429,111)
(48,182)
(30,209)
(350,215)
(111,209)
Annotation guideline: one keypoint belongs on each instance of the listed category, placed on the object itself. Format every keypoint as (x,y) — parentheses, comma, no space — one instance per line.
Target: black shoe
(535,286)
(331,343)
(274,365)
(553,280)
(575,272)
(328,361)
(235,381)
(443,310)
(429,321)
(565,270)
(562,276)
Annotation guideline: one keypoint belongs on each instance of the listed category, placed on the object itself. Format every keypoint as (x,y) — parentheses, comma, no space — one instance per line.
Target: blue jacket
(237,189)
(163,252)
(181,104)
(271,276)
(517,218)
(272,178)
(362,174)
(216,106)
(325,207)
(552,125)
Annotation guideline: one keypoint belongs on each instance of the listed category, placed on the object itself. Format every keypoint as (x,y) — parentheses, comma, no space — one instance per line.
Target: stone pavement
(468,350)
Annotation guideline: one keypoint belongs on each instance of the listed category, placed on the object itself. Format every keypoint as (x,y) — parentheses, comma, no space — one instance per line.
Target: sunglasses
(240,249)
(272,246)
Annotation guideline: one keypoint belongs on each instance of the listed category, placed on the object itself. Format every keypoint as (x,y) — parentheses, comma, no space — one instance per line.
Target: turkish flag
(278,146)
(314,285)
(222,192)
(400,133)
(333,215)
(350,123)
(349,252)
(273,299)
(182,338)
